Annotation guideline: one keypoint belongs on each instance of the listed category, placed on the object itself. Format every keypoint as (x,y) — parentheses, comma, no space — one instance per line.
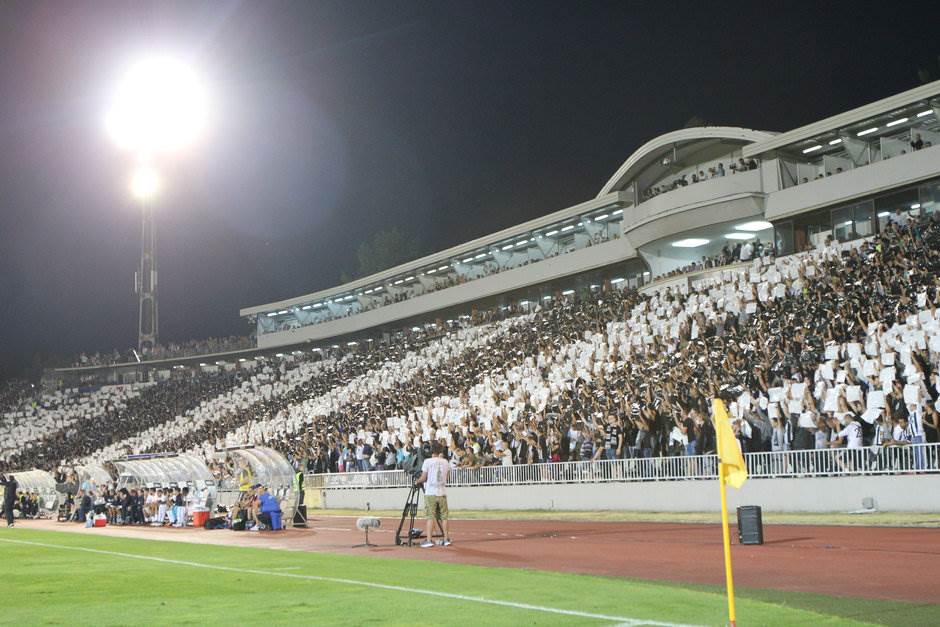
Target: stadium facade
(841,176)
(678,199)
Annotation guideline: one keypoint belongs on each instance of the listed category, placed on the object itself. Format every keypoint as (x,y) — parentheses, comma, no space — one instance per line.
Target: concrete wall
(701,204)
(546,270)
(908,493)
(863,181)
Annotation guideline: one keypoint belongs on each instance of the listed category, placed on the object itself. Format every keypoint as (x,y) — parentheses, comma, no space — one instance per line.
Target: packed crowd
(832,348)
(267,408)
(70,424)
(31,433)
(798,345)
(15,393)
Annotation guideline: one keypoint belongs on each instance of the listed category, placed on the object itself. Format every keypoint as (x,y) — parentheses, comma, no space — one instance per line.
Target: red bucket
(200,519)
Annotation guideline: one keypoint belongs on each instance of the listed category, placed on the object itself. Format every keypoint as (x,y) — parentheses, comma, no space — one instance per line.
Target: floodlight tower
(144,186)
(158,108)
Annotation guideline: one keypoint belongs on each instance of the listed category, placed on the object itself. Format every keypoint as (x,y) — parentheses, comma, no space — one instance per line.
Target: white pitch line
(621,621)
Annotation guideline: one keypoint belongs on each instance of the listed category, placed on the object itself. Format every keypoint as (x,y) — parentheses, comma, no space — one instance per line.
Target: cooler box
(101,522)
(200,518)
(750,525)
(276,521)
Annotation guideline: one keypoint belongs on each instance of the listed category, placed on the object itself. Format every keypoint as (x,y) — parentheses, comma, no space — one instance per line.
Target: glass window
(842,223)
(929,195)
(864,219)
(902,200)
(783,237)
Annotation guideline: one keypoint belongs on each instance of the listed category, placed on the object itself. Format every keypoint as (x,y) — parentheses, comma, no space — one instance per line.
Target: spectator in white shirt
(747,251)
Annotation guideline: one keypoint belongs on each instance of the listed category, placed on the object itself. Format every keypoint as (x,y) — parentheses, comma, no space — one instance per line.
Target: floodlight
(692,242)
(741,236)
(756,225)
(159,106)
(145,183)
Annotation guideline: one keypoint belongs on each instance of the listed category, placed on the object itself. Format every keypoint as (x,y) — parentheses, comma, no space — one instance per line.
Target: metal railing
(893,460)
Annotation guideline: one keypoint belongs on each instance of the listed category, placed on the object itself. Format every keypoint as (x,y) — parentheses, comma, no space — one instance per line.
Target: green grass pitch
(67,578)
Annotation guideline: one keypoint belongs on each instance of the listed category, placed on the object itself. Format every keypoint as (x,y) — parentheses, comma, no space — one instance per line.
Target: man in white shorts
(434,472)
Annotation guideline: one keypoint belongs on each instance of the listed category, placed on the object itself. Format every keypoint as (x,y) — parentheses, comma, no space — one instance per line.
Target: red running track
(898,563)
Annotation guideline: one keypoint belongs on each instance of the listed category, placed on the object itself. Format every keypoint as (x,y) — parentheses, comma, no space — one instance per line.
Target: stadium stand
(801,342)
(820,329)
(835,347)
(32,432)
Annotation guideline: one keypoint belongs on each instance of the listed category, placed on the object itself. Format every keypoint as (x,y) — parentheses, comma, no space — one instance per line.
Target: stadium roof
(614,199)
(688,139)
(847,118)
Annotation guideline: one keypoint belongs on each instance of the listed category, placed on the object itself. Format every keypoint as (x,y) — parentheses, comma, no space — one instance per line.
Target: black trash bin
(750,525)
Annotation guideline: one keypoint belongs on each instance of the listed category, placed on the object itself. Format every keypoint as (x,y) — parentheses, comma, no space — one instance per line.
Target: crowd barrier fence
(893,460)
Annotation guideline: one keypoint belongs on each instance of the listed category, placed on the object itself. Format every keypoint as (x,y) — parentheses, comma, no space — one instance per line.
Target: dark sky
(331,120)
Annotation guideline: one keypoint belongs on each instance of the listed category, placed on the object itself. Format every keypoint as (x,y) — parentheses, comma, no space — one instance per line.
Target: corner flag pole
(729,579)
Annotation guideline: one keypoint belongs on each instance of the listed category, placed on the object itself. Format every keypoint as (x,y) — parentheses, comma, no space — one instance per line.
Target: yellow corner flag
(731,470)
(734,472)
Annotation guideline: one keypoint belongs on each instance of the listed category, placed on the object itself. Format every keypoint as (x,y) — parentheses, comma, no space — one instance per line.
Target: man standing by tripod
(434,472)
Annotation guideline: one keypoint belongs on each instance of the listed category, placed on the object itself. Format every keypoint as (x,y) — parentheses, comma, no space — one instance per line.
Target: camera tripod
(409,512)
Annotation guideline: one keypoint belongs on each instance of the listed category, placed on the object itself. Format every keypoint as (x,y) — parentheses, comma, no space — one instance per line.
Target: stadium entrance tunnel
(169,471)
(249,466)
(43,484)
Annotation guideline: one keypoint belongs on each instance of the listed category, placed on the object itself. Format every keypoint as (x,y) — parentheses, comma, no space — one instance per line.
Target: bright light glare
(145,183)
(741,236)
(159,106)
(756,225)
(691,242)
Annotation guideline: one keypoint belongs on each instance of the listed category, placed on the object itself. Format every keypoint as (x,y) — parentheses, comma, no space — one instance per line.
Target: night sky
(334,120)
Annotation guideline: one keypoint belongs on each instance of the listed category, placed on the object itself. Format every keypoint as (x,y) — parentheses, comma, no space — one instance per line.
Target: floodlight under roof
(690,242)
(755,225)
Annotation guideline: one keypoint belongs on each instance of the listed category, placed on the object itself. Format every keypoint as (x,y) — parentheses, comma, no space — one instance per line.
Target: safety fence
(915,458)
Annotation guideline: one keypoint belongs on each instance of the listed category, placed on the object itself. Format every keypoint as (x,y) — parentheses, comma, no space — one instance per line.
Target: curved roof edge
(624,172)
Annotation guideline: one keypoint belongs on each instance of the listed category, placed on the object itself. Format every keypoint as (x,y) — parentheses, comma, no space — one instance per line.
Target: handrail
(843,462)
